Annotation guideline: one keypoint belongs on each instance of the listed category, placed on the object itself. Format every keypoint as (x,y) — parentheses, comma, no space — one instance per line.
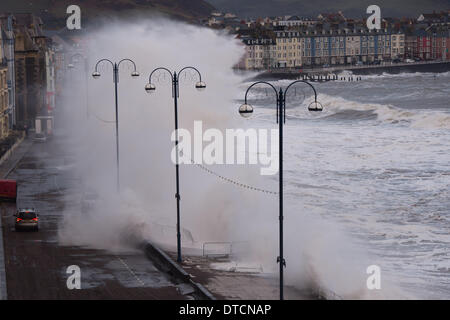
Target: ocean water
(374,165)
(376,162)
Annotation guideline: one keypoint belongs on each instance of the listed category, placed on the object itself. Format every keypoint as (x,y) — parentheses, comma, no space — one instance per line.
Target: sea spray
(211,210)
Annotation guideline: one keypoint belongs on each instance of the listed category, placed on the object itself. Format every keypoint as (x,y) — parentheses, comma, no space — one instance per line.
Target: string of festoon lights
(231,181)
(321,291)
(312,78)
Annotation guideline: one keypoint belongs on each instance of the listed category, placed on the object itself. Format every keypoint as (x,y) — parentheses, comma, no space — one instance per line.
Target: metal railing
(225,253)
(229,248)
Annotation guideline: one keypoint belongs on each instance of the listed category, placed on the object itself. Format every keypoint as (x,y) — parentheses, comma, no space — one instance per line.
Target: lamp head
(70,66)
(315,106)
(150,88)
(96,75)
(135,74)
(245,110)
(200,86)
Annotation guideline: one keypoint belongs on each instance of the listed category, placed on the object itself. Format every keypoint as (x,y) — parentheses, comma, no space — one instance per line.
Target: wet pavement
(36,265)
(238,284)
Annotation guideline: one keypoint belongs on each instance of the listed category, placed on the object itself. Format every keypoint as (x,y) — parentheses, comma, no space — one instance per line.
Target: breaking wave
(338,108)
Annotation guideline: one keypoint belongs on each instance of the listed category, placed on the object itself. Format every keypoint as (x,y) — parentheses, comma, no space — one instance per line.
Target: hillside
(54,14)
(351,8)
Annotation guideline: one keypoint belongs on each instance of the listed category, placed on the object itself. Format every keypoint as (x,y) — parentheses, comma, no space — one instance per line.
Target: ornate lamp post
(150,88)
(246,110)
(134,74)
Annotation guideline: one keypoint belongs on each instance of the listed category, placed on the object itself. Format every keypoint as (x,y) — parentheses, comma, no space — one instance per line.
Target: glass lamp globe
(246,110)
(150,88)
(315,106)
(200,86)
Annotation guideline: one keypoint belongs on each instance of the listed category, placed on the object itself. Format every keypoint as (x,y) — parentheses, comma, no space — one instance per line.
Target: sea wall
(435,67)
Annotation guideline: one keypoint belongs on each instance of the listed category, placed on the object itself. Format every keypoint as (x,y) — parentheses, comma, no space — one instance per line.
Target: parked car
(359,63)
(409,61)
(326,66)
(396,60)
(417,59)
(26,219)
(40,137)
(377,62)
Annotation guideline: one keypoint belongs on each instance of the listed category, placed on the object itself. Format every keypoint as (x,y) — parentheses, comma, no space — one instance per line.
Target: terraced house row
(430,44)
(336,40)
(27,76)
(295,48)
(26,72)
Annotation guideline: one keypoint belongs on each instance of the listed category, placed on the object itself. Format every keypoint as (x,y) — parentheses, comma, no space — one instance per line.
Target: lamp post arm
(79,55)
(290,85)
(259,82)
(102,60)
(195,69)
(129,60)
(161,68)
(269,84)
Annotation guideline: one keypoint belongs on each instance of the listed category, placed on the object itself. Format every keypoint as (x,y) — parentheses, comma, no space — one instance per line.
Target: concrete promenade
(386,67)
